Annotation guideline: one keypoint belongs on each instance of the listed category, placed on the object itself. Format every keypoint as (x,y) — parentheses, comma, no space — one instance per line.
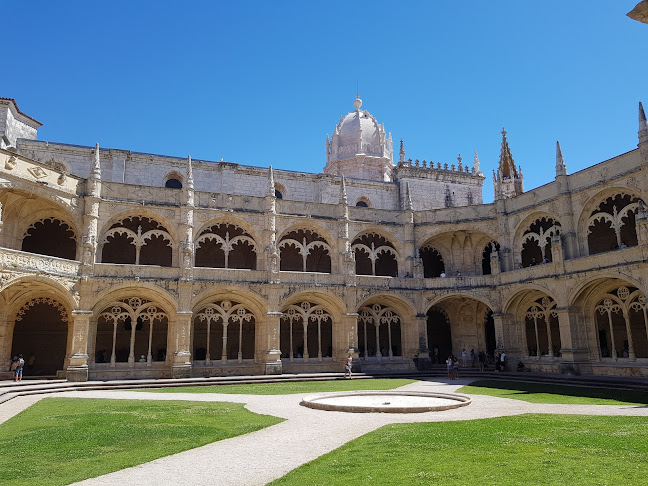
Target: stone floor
(262,456)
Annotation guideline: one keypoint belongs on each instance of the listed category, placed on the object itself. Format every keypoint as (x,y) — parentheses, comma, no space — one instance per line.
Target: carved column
(350,326)
(494,262)
(575,355)
(182,354)
(498,321)
(424,361)
(273,354)
(77,369)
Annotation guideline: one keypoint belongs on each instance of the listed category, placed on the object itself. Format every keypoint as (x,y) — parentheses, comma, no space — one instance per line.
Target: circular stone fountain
(385,401)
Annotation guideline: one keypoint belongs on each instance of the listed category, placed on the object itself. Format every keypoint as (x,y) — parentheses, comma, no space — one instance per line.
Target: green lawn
(546,393)
(63,440)
(528,449)
(286,388)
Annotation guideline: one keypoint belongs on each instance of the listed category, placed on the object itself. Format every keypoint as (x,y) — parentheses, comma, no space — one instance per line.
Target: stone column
(495,262)
(424,361)
(350,325)
(77,369)
(574,352)
(182,355)
(272,356)
(498,321)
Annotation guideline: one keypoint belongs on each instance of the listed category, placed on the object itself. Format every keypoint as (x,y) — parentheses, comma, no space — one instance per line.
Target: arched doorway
(439,333)
(40,331)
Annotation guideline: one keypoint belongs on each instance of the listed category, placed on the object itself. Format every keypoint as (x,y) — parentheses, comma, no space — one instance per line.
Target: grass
(62,440)
(547,393)
(287,388)
(528,449)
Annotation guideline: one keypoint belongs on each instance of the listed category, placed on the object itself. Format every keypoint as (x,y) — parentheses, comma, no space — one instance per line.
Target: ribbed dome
(359,133)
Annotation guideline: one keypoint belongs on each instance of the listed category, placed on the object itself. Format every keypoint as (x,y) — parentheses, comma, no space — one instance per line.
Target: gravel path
(265,455)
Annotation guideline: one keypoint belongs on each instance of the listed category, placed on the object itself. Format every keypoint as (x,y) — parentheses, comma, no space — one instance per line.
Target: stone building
(116,264)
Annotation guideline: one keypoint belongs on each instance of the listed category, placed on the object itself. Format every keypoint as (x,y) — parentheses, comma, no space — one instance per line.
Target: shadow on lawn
(527,388)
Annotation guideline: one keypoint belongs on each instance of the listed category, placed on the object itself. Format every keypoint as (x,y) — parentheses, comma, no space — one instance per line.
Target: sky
(262,82)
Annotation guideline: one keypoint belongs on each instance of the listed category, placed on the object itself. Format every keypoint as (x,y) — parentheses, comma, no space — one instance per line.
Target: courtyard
(547,434)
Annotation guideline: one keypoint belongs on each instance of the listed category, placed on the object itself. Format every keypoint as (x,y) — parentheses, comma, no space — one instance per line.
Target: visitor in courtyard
(14,363)
(472,358)
(545,260)
(449,366)
(464,358)
(18,371)
(503,361)
(455,369)
(348,367)
(142,359)
(482,360)
(443,275)
(622,246)
(436,354)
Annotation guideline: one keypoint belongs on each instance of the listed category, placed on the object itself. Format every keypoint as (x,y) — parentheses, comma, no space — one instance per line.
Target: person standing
(503,361)
(436,354)
(472,358)
(19,368)
(348,367)
(482,360)
(464,358)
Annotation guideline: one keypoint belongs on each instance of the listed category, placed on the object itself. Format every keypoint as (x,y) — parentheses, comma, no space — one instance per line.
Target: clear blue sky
(262,83)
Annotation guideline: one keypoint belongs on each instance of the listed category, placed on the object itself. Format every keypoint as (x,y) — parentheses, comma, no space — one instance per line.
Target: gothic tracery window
(433,265)
(50,236)
(536,241)
(379,332)
(225,245)
(542,330)
(137,240)
(224,330)
(304,251)
(375,255)
(622,321)
(612,224)
(306,332)
(131,330)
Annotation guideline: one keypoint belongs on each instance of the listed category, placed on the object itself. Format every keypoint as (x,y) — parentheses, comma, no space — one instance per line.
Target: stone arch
(306,331)
(468,319)
(176,176)
(39,326)
(533,240)
(433,264)
(460,251)
(591,205)
(491,248)
(280,190)
(137,239)
(613,310)
(305,250)
(116,336)
(611,225)
(438,333)
(226,245)
(363,202)
(375,254)
(21,209)
(50,236)
(241,223)
(223,329)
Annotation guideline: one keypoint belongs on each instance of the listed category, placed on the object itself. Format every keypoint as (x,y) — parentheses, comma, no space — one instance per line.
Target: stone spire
(95,170)
(476,169)
(506,164)
(408,199)
(643,125)
(509,179)
(190,179)
(271,184)
(561,168)
(402,152)
(343,194)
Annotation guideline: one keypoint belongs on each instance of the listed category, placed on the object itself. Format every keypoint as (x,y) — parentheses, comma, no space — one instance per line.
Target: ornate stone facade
(116,264)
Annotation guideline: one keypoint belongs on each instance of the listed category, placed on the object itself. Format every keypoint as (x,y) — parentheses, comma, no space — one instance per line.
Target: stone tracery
(379,325)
